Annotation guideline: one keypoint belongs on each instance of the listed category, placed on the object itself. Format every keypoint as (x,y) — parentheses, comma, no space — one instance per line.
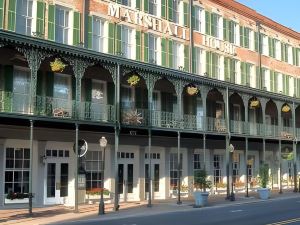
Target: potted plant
(263,191)
(201,184)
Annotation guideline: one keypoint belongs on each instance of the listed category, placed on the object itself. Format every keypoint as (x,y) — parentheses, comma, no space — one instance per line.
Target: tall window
(212,24)
(24,16)
(265,48)
(273,81)
(198,161)
(21,87)
(235,167)
(176,55)
(175,11)
(153,51)
(197,60)
(197,18)
(230,69)
(127,2)
(174,176)
(245,37)
(217,163)
(285,84)
(153,7)
(98,34)
(17,170)
(62,25)
(246,69)
(126,41)
(94,169)
(213,65)
(272,45)
(229,31)
(284,52)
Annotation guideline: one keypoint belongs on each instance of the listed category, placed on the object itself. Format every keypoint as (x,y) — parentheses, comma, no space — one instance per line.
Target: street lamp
(231,150)
(103,143)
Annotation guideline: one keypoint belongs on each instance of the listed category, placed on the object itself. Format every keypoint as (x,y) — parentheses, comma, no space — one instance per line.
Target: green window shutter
(297,56)
(146,47)
(8,78)
(170,54)
(241,36)
(186,14)
(110,93)
(270,46)
(170,10)
(275,82)
(146,6)
(208,64)
(194,62)
(90,33)
(111,37)
(246,37)
(193,17)
(243,73)
(163,9)
(213,22)
(50,84)
(118,39)
(186,58)
(138,4)
(73,88)
(76,29)
(12,15)
(207,23)
(39,84)
(40,18)
(163,52)
(88,90)
(1,13)
(225,29)
(294,50)
(226,69)
(256,41)
(257,77)
(138,45)
(51,23)
(282,52)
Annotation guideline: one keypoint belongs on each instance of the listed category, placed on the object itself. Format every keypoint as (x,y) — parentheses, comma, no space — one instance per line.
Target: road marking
(238,210)
(285,222)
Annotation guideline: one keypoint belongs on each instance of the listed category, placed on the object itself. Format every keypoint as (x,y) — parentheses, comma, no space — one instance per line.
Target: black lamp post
(103,143)
(231,150)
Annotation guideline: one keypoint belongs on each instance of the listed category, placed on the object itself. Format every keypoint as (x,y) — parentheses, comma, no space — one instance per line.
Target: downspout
(259,55)
(84,25)
(191,37)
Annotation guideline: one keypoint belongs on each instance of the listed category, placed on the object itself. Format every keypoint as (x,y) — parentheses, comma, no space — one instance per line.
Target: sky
(286,12)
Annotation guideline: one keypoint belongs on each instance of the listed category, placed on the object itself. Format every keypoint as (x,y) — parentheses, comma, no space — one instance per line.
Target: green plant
(264,175)
(16,195)
(133,80)
(200,180)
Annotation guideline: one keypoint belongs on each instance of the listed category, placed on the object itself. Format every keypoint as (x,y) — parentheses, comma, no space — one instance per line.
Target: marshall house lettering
(146,20)
(222,46)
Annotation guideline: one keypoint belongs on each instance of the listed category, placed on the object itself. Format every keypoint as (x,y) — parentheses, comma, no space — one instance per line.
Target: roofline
(252,14)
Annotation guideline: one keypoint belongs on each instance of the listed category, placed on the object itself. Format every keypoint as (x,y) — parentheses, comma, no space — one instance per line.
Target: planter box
(201,198)
(264,193)
(16,201)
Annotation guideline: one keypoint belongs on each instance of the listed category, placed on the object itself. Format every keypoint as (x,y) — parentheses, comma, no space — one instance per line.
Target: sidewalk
(54,214)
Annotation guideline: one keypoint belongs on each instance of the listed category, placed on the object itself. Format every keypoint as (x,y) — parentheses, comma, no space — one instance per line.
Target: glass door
(125,181)
(21,87)
(57,180)
(98,103)
(155,180)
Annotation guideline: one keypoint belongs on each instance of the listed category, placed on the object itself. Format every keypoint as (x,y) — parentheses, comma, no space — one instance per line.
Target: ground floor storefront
(54,164)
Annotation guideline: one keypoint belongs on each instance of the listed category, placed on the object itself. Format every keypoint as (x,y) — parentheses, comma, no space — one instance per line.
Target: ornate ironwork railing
(13,102)
(96,112)
(165,119)
(216,125)
(271,130)
(193,122)
(238,127)
(287,133)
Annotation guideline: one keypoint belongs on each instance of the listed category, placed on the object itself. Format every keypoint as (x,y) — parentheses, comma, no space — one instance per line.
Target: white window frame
(100,36)
(176,54)
(153,58)
(198,18)
(127,45)
(26,17)
(66,25)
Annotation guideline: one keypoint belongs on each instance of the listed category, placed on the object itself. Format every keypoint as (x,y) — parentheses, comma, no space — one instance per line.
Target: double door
(155,179)
(126,181)
(56,184)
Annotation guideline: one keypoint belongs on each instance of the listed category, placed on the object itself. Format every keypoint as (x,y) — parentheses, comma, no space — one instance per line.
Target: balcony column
(225,94)
(263,103)
(246,101)
(278,105)
(150,82)
(280,167)
(204,91)
(246,165)
(79,67)
(34,58)
(295,147)
(117,81)
(179,85)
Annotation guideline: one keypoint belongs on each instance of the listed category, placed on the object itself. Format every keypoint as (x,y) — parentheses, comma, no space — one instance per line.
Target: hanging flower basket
(254,104)
(285,108)
(192,90)
(133,80)
(57,65)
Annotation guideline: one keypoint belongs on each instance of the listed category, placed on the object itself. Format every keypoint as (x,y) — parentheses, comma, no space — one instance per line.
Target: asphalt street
(275,212)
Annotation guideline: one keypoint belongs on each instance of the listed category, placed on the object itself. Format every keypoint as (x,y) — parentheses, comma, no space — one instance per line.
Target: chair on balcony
(287,135)
(219,126)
